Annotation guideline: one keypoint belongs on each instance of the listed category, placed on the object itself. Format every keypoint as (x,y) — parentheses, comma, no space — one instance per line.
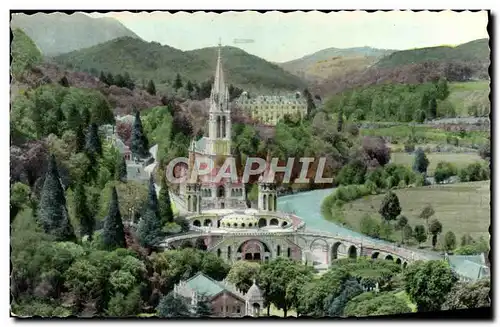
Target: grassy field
(462,208)
(463,95)
(460,160)
(277,312)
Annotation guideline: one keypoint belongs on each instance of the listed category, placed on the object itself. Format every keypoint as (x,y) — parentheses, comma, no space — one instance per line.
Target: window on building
(238,309)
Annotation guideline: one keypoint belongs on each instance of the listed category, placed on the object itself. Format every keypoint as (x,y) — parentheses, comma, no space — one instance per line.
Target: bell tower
(219,130)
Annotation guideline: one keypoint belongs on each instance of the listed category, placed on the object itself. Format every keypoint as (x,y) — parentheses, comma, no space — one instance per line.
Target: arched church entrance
(254,250)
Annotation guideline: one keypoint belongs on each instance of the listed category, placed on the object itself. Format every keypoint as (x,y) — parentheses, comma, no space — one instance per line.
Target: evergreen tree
(310,102)
(139,143)
(450,241)
(435,229)
(177,82)
(129,83)
(189,87)
(113,233)
(80,139)
(442,89)
(340,121)
(121,169)
(402,222)
(102,77)
(110,79)
(73,119)
(85,117)
(420,234)
(82,212)
(93,145)
(151,89)
(421,162)
(119,80)
(432,108)
(149,231)
(52,212)
(390,207)
(165,204)
(203,307)
(172,306)
(424,102)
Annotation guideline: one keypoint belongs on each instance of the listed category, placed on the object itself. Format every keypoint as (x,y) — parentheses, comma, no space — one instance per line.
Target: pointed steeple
(219,87)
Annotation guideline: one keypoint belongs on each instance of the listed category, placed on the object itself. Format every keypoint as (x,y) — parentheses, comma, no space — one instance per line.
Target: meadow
(462,208)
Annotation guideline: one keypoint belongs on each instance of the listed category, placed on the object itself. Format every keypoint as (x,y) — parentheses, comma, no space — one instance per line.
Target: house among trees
(224,298)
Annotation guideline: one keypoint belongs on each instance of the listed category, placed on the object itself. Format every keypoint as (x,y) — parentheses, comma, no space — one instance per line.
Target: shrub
(409,147)
(369,226)
(444,170)
(474,172)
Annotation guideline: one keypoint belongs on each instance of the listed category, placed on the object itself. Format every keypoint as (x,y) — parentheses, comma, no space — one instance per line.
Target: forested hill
(24,53)
(58,33)
(151,60)
(474,51)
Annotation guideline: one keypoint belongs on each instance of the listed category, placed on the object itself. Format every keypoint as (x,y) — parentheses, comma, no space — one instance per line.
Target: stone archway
(274,222)
(270,203)
(319,250)
(207,222)
(389,257)
(262,222)
(335,250)
(196,223)
(253,250)
(221,192)
(352,252)
(375,255)
(398,261)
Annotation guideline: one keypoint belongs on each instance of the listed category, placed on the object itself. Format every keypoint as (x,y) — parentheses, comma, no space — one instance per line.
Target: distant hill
(466,62)
(324,63)
(151,60)
(24,51)
(474,51)
(58,33)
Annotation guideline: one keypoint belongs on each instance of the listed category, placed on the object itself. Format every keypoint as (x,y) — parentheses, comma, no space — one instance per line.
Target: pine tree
(93,144)
(340,121)
(203,307)
(390,207)
(73,119)
(151,89)
(52,212)
(110,79)
(82,212)
(80,139)
(113,233)
(432,108)
(139,143)
(121,169)
(177,82)
(149,231)
(85,117)
(189,88)
(165,204)
(421,162)
(102,77)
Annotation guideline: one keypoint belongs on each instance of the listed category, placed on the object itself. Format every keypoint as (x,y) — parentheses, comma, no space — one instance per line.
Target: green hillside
(24,53)
(476,51)
(470,98)
(151,60)
(57,33)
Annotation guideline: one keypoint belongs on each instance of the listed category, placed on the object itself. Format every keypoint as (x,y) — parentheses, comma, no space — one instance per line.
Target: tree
(469,295)
(435,229)
(93,145)
(102,77)
(442,89)
(173,306)
(432,108)
(139,145)
(165,204)
(110,80)
(371,303)
(82,212)
(121,169)
(281,280)
(340,121)
(80,139)
(334,306)
(370,226)
(444,170)
(420,234)
(407,233)
(149,231)
(310,102)
(402,223)
(151,89)
(73,119)
(450,241)
(426,213)
(428,283)
(242,274)
(177,82)
(390,208)
(52,212)
(421,162)
(113,233)
(190,88)
(203,307)
(86,118)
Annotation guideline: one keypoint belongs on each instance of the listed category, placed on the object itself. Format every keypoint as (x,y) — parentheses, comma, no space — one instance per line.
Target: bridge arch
(207,222)
(389,257)
(274,222)
(319,248)
(352,253)
(262,222)
(398,261)
(375,255)
(254,250)
(335,250)
(197,223)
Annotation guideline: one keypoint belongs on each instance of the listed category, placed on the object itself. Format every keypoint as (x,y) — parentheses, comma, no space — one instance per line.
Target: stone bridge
(309,246)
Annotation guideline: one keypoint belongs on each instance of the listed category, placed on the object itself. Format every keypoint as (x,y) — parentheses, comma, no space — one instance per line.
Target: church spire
(219,87)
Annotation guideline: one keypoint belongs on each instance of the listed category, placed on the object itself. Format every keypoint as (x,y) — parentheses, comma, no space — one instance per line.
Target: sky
(280,37)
